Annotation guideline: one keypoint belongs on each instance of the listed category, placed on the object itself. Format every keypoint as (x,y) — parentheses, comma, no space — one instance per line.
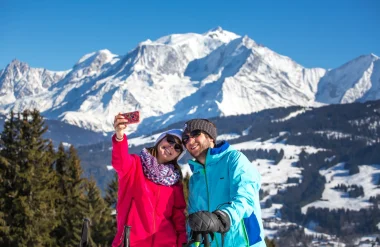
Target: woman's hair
(154,152)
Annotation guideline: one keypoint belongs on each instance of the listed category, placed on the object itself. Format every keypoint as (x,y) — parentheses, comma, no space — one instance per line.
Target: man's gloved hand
(204,221)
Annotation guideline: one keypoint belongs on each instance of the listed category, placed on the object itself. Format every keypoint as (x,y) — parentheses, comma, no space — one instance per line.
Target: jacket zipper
(245,231)
(208,196)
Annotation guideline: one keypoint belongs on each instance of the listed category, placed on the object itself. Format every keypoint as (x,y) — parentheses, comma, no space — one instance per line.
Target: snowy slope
(337,175)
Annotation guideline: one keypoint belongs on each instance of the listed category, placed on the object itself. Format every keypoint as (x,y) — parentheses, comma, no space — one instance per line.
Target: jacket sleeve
(122,161)
(179,217)
(244,189)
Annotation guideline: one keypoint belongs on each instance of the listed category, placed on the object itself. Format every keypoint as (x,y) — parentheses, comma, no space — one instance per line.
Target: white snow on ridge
(106,54)
(292,115)
(269,144)
(227,137)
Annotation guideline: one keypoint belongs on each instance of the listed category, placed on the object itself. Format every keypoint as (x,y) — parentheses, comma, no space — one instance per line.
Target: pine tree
(61,197)
(27,186)
(71,201)
(44,188)
(111,200)
(111,192)
(9,149)
(4,228)
(102,230)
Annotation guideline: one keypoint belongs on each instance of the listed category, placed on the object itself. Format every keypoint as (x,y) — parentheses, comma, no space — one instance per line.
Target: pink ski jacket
(154,212)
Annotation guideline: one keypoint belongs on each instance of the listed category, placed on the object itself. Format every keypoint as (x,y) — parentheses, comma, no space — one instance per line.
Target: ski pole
(197,239)
(127,232)
(84,241)
(206,241)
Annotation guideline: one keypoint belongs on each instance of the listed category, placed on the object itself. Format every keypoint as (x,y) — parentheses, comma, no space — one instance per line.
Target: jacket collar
(213,155)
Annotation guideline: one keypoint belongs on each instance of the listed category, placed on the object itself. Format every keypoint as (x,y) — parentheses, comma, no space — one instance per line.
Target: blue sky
(55,34)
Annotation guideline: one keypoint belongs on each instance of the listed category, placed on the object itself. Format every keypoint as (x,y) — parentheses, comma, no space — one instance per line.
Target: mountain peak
(101,53)
(146,42)
(17,64)
(367,59)
(353,81)
(15,60)
(216,29)
(222,35)
(95,60)
(105,51)
(374,56)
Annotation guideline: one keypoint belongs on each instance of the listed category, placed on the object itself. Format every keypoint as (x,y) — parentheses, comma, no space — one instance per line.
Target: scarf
(164,174)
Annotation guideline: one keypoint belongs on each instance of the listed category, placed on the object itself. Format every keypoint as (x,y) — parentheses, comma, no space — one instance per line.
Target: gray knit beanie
(200,124)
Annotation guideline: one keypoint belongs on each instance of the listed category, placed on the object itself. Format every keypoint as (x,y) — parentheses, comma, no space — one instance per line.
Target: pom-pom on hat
(173,132)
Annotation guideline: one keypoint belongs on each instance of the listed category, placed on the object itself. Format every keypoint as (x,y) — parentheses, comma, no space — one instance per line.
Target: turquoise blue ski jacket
(230,182)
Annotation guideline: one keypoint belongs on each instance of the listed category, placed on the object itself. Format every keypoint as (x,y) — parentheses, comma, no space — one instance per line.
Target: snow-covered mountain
(357,80)
(177,77)
(18,81)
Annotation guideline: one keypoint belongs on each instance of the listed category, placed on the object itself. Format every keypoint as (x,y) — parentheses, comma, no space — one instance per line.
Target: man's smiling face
(197,145)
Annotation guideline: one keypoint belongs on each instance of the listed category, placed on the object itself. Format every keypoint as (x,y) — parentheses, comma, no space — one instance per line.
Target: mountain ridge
(179,76)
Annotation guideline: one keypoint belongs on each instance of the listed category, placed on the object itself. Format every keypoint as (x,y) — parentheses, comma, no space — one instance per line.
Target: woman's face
(168,149)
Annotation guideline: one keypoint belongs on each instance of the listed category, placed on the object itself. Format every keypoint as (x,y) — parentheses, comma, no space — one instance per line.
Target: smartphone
(132,117)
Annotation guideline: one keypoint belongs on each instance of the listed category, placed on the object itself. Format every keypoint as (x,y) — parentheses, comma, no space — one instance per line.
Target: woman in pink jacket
(150,196)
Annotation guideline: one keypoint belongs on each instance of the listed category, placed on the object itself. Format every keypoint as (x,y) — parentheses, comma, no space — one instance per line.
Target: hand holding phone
(131,117)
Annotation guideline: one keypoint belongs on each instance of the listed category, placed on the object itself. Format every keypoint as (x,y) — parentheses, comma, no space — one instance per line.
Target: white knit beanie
(173,132)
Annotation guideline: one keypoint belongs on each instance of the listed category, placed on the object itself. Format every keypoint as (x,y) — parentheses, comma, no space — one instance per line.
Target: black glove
(204,221)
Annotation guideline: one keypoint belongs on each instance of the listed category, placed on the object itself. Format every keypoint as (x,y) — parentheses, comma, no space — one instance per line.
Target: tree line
(43,196)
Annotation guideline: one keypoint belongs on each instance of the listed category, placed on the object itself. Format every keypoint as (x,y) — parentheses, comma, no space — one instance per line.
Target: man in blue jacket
(223,191)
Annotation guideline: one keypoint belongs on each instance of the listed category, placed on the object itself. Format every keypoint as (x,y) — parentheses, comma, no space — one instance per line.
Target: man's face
(197,143)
